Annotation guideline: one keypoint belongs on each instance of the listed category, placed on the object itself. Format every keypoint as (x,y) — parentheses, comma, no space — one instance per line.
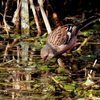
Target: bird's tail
(88,21)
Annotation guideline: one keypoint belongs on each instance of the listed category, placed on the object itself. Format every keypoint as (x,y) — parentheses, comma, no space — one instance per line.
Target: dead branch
(46,21)
(35,18)
(4,20)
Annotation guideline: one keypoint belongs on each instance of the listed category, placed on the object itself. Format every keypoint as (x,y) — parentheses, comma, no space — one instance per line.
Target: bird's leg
(61,63)
(82,44)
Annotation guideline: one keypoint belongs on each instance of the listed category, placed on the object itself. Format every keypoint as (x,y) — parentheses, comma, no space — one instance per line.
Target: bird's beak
(44,60)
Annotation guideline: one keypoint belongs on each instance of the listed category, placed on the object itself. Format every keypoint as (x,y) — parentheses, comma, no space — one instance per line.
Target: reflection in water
(18,83)
(25,47)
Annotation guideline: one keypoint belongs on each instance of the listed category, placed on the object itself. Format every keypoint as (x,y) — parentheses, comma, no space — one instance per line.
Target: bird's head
(47,53)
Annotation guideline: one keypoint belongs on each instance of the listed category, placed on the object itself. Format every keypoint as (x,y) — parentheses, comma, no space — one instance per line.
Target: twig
(2,64)
(35,18)
(6,15)
(6,26)
(61,86)
(16,13)
(92,84)
(44,16)
(82,44)
(6,52)
(6,22)
(93,66)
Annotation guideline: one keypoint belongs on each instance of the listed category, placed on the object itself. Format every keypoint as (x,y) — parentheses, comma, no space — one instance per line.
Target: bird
(63,38)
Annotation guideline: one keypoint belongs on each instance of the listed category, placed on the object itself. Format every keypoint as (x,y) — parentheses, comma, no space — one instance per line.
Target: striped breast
(58,36)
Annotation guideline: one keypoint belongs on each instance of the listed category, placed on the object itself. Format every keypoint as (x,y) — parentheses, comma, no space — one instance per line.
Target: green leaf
(59,78)
(31,24)
(38,45)
(69,87)
(32,66)
(61,70)
(51,88)
(96,26)
(43,41)
(45,35)
(52,60)
(43,68)
(87,32)
(4,36)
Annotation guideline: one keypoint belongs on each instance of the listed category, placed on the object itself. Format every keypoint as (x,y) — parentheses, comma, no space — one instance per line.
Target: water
(24,76)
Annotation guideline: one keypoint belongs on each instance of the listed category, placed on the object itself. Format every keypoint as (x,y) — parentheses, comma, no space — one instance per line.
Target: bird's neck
(50,46)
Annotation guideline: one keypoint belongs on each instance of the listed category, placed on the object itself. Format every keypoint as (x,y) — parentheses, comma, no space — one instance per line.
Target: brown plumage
(63,39)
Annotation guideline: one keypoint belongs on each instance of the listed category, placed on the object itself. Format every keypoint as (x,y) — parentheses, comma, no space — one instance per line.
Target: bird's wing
(60,36)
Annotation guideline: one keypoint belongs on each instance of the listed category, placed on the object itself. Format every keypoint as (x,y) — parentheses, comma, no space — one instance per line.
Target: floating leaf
(61,70)
(32,66)
(52,60)
(88,82)
(43,68)
(59,78)
(69,87)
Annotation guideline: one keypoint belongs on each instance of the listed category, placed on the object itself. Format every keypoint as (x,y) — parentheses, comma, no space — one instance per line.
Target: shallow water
(24,75)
